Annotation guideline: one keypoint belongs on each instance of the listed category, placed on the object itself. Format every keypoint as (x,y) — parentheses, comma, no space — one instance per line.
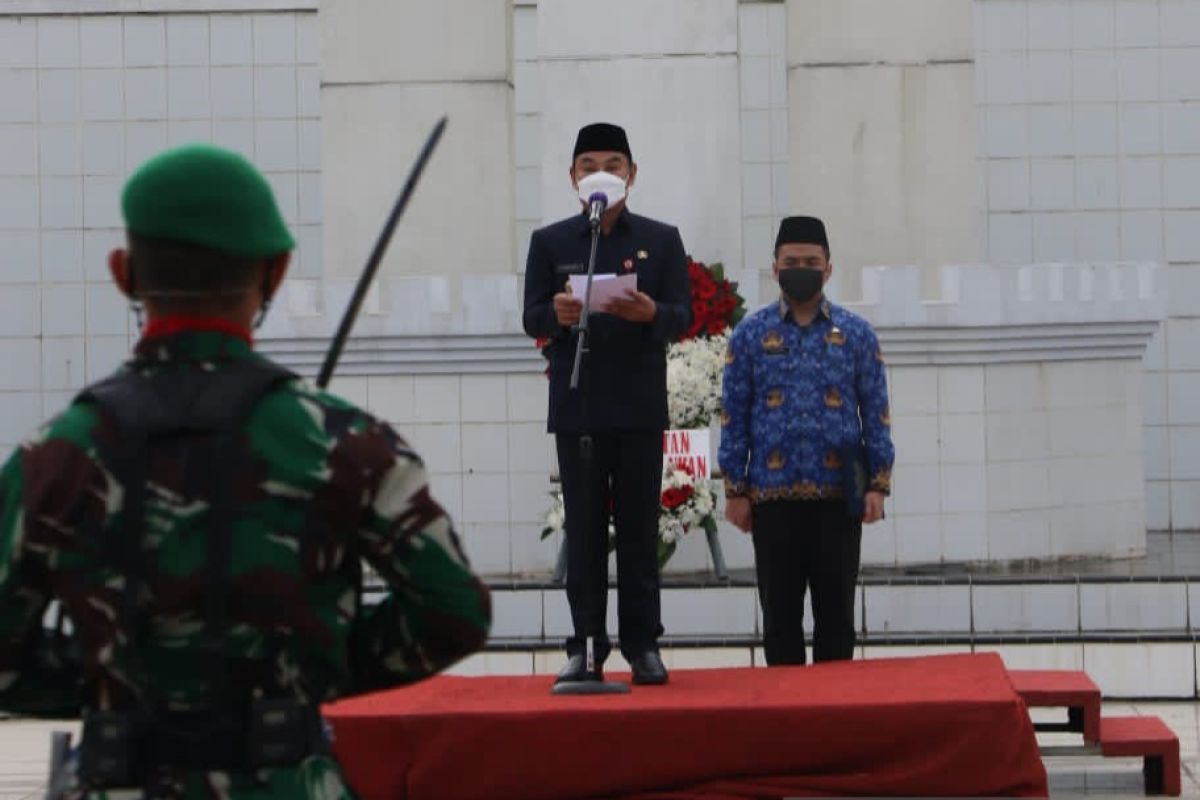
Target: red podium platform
(940,725)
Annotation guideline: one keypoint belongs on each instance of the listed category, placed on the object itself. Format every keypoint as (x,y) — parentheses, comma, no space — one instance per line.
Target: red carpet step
(1150,738)
(1068,689)
(1145,736)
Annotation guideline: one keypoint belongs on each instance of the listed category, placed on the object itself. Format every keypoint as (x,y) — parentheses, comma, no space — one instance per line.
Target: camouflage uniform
(321,486)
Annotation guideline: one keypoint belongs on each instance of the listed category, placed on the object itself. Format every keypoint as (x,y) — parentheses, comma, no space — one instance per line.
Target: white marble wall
(881,129)
(1016,419)
(389,72)
(675,88)
(766,182)
(1002,462)
(1086,129)
(74,141)
(85,99)
(527,126)
(1089,135)
(762,100)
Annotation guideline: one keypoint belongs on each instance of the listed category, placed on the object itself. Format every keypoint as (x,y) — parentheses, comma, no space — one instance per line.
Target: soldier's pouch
(109,752)
(284,732)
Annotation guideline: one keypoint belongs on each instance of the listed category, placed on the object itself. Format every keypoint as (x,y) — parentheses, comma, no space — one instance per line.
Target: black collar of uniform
(623,221)
(825,309)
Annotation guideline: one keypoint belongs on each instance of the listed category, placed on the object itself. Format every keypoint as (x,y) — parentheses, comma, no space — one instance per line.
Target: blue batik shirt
(797,400)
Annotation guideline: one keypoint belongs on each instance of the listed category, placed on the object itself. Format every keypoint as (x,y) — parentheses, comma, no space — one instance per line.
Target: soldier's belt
(121,749)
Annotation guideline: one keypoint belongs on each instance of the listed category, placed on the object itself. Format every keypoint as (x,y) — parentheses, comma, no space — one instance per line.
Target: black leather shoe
(648,669)
(576,670)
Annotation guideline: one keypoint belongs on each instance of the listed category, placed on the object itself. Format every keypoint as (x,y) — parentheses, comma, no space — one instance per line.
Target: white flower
(556,517)
(690,514)
(694,371)
(669,529)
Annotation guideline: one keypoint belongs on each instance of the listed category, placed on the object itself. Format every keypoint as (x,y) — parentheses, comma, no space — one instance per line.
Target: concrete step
(1135,635)
(957,608)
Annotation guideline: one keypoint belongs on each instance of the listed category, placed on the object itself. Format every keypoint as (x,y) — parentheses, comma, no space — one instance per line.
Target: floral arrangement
(695,366)
(688,502)
(716,304)
(696,362)
(694,371)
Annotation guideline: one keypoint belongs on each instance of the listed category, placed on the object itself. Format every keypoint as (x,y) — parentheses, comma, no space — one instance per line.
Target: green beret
(203,195)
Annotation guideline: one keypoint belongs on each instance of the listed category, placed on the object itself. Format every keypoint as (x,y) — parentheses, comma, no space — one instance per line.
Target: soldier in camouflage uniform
(217,606)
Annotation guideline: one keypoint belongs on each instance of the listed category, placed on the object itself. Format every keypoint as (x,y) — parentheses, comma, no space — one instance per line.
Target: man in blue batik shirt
(806,448)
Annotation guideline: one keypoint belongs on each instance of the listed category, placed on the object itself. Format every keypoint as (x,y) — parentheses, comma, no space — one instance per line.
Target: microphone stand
(587,465)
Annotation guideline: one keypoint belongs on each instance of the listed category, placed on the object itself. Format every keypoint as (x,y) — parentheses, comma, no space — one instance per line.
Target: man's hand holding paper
(607,290)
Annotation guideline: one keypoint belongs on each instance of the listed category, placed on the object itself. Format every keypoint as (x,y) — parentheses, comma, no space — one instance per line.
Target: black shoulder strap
(147,405)
(156,402)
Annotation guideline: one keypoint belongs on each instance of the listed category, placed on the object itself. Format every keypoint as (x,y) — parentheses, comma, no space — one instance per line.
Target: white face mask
(606,183)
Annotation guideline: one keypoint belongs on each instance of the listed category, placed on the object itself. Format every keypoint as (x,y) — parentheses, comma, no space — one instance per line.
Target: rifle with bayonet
(347,322)
(381,244)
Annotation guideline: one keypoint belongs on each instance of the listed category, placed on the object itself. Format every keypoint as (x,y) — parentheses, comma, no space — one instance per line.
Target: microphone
(597,202)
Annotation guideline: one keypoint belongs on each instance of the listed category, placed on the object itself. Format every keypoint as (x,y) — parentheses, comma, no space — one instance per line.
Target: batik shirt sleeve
(737,404)
(871,387)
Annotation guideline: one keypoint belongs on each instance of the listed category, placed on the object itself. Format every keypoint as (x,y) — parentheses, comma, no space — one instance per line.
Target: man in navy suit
(621,400)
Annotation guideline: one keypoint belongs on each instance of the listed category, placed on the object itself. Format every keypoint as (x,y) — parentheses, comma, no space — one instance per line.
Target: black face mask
(800,284)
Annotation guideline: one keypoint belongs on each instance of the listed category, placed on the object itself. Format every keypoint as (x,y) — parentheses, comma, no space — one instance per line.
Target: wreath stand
(714,550)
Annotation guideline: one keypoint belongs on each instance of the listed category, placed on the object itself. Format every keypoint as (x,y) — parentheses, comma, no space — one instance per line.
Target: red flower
(675,497)
(715,302)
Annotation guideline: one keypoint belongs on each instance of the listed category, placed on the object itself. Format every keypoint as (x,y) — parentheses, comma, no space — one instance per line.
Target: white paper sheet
(605,288)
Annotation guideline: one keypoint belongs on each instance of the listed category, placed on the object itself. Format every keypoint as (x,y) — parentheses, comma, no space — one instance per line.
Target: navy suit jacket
(623,381)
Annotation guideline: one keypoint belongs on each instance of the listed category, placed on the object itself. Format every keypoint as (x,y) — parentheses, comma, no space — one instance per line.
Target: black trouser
(800,544)
(627,468)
